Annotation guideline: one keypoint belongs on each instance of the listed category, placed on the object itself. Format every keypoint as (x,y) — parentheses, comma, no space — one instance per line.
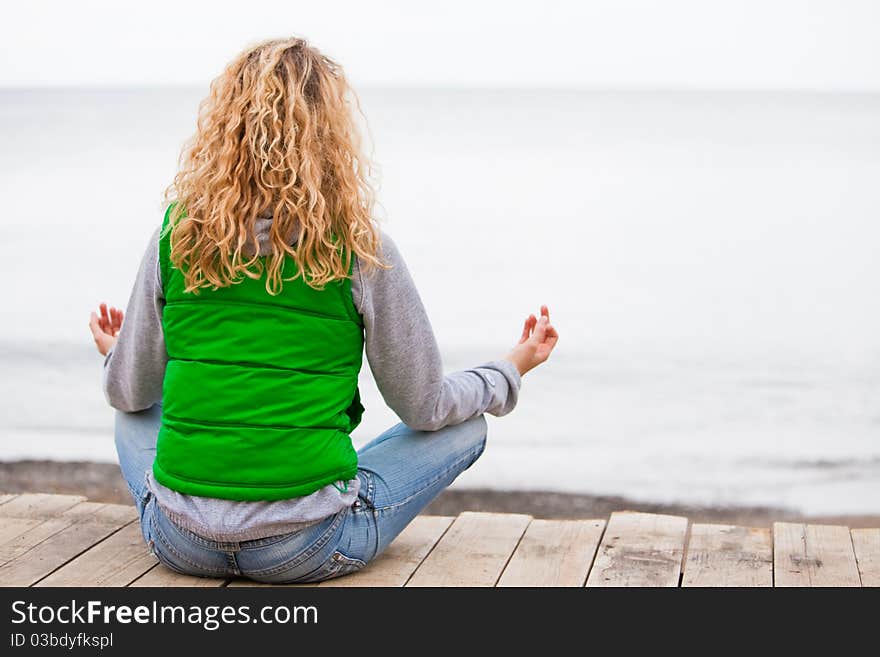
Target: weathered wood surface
(473,552)
(866,543)
(724,555)
(554,553)
(38,505)
(38,552)
(247,583)
(813,555)
(63,540)
(118,560)
(162,576)
(640,549)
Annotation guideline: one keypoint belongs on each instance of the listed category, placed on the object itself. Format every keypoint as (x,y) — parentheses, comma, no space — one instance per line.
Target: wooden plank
(28,539)
(249,583)
(90,525)
(12,528)
(396,565)
(640,549)
(813,555)
(39,505)
(120,514)
(115,561)
(166,578)
(39,530)
(724,555)
(473,552)
(867,548)
(554,553)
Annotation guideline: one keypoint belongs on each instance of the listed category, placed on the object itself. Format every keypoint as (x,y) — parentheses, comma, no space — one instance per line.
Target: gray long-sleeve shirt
(403,356)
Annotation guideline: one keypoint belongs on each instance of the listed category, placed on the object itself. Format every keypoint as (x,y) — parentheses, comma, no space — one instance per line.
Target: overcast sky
(787,44)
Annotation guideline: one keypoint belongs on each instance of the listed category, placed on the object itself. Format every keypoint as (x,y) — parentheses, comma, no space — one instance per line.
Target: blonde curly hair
(276,136)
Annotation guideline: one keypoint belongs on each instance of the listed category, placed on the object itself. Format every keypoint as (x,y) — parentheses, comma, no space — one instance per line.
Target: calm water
(711,261)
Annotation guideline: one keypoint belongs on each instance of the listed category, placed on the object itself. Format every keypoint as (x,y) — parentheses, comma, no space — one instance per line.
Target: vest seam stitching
(252,364)
(219,423)
(294,309)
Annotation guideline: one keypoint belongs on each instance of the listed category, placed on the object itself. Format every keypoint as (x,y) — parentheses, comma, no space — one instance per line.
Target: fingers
(104,327)
(110,319)
(528,327)
(545,312)
(116,320)
(545,332)
(540,331)
(105,318)
(550,332)
(551,338)
(95,326)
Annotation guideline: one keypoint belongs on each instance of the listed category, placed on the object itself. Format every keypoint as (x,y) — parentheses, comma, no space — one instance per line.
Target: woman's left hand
(105,328)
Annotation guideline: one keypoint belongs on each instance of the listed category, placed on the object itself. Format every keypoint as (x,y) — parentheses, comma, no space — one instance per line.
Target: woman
(235,372)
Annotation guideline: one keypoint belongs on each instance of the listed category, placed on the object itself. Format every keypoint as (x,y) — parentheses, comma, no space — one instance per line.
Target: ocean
(710,260)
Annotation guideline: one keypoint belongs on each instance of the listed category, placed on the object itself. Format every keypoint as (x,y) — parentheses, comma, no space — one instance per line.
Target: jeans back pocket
(337,565)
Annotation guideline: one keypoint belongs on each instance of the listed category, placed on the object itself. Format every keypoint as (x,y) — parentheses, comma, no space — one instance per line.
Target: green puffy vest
(260,392)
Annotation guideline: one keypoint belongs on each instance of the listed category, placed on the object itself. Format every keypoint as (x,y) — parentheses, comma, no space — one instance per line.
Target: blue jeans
(400,473)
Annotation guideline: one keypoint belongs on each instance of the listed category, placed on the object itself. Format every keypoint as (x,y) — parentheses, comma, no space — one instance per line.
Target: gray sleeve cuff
(504,383)
(509,371)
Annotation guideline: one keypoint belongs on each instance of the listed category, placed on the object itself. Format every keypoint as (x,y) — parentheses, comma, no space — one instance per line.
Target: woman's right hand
(538,340)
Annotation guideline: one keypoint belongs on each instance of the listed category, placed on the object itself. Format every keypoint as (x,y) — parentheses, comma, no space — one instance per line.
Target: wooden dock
(64,540)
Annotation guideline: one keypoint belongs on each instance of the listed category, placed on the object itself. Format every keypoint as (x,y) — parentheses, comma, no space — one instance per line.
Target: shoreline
(102,482)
